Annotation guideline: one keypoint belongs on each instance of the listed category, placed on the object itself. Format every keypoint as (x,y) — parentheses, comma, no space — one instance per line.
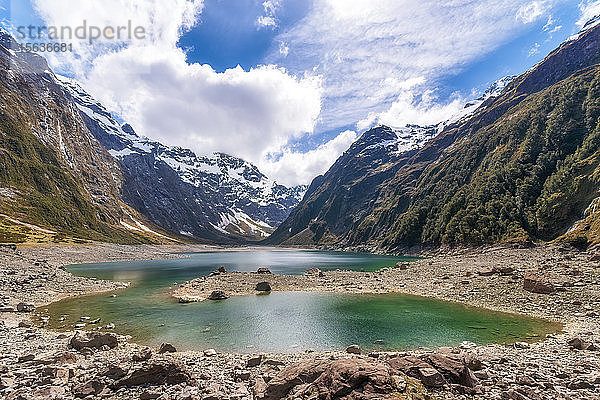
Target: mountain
(56,180)
(522,167)
(218,197)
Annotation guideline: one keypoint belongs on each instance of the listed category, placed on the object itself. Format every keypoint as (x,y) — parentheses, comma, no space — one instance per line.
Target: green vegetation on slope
(527,176)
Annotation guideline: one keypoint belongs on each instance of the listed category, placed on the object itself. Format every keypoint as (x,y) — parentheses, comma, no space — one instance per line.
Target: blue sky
(289,84)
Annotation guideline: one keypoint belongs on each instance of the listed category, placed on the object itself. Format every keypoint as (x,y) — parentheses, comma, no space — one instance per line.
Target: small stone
(263,270)
(522,345)
(167,348)
(210,352)
(486,272)
(25,307)
(353,349)
(402,266)
(143,355)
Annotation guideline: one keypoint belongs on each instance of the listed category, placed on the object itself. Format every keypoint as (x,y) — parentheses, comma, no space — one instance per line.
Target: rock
(89,388)
(263,270)
(579,384)
(150,394)
(453,368)
(143,355)
(26,358)
(503,270)
(210,352)
(522,345)
(25,307)
(156,373)
(536,282)
(167,348)
(25,324)
(218,295)
(403,266)
(580,344)
(346,378)
(7,309)
(486,272)
(93,340)
(222,270)
(110,326)
(430,377)
(254,361)
(353,349)
(115,372)
(242,375)
(263,287)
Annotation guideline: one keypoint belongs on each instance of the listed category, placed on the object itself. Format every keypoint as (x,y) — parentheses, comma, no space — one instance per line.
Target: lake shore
(547,369)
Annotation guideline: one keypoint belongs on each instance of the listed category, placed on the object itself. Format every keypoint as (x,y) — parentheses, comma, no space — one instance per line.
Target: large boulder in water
(218,295)
(93,339)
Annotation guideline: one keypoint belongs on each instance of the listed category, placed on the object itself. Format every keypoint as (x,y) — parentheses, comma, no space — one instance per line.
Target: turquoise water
(281,321)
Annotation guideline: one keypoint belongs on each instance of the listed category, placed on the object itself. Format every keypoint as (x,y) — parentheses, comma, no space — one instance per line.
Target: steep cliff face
(219,198)
(521,167)
(53,172)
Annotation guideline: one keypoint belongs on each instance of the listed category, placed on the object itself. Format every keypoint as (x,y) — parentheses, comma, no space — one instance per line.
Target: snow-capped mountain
(212,196)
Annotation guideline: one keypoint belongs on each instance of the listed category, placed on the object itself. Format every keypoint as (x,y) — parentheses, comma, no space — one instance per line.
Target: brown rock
(167,348)
(536,282)
(263,287)
(143,355)
(156,373)
(430,377)
(89,388)
(94,340)
(353,349)
(348,379)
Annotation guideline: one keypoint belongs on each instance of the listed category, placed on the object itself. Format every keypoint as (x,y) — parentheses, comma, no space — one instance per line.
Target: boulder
(536,282)
(263,287)
(430,377)
(156,373)
(263,270)
(353,349)
(89,388)
(210,352)
(403,266)
(143,355)
(93,340)
(167,348)
(254,361)
(349,378)
(218,295)
(580,344)
(25,307)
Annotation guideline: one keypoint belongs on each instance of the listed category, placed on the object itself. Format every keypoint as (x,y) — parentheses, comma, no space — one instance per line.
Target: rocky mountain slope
(218,197)
(55,178)
(523,166)
(69,169)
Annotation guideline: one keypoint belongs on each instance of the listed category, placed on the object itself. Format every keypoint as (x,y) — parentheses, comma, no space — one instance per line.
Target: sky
(289,84)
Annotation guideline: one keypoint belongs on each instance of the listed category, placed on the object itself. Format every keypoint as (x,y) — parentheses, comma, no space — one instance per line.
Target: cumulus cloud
(293,167)
(246,113)
(363,48)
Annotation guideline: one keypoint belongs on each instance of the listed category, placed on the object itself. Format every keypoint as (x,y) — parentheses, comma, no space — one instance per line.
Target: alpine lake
(280,322)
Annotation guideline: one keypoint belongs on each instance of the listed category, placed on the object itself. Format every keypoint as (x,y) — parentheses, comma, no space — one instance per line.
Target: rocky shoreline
(37,363)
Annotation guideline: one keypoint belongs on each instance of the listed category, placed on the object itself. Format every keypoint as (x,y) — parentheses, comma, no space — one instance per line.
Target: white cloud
(411,109)
(363,47)
(535,49)
(294,167)
(269,19)
(589,9)
(531,12)
(249,114)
